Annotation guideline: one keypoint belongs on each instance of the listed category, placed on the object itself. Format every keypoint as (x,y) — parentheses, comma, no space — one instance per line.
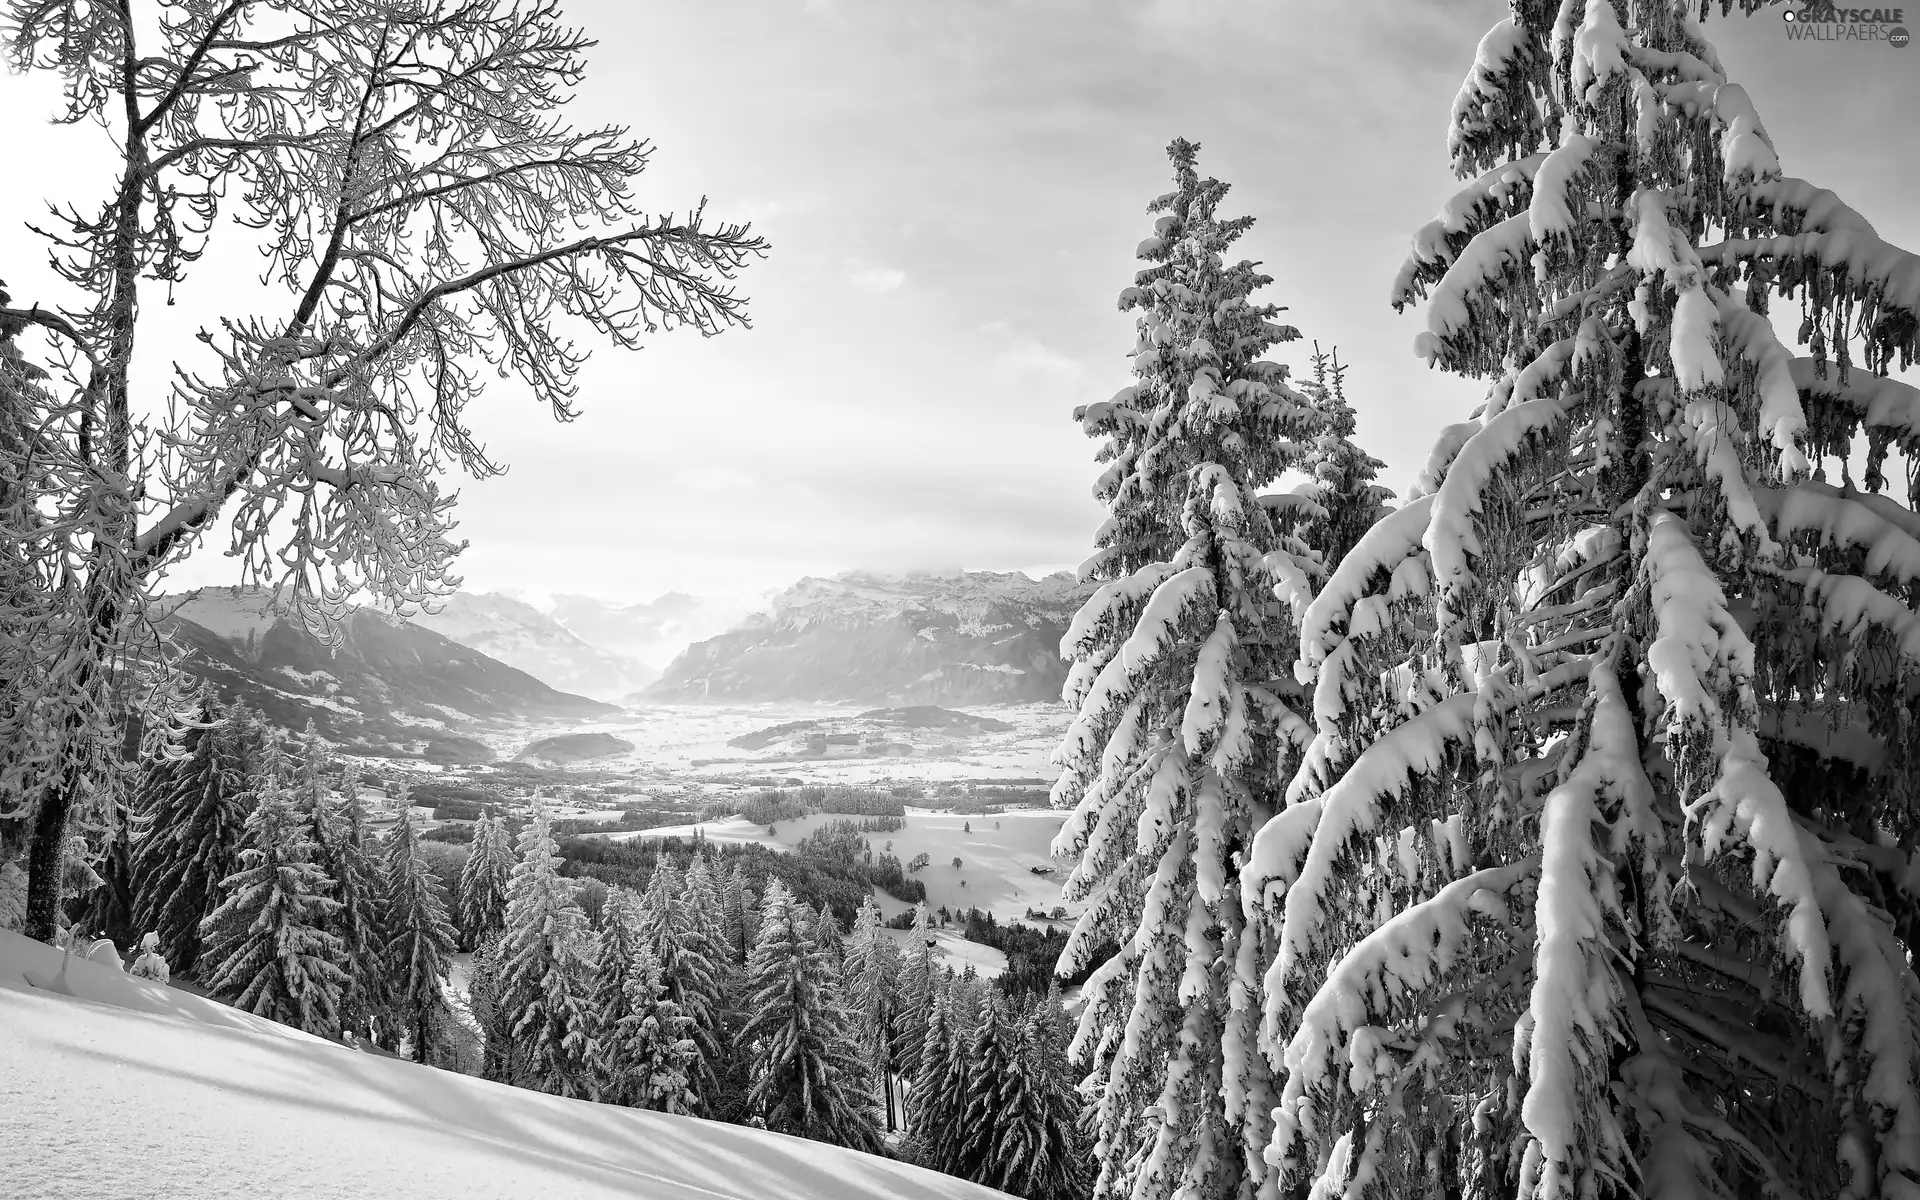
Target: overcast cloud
(953,192)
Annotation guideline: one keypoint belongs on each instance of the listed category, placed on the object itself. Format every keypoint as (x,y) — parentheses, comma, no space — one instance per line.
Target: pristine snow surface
(132,1089)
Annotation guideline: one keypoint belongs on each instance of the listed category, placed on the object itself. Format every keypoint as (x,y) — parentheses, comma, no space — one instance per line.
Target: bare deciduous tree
(413,186)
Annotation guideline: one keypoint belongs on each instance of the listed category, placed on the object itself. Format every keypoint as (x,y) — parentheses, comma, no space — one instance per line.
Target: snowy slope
(973,637)
(951,950)
(134,1089)
(522,636)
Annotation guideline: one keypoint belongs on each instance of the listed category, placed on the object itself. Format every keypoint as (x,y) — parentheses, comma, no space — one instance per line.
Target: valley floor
(133,1089)
(690,742)
(997,851)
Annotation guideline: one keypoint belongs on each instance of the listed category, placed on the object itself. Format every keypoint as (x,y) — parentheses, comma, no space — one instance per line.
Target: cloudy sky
(953,192)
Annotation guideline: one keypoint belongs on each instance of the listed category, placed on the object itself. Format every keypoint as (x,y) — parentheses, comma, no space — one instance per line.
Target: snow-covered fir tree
(419,937)
(1182,677)
(647,1055)
(829,936)
(266,948)
(344,848)
(808,1079)
(684,924)
(483,882)
(362,917)
(570,1066)
(310,765)
(1340,474)
(724,1002)
(936,1104)
(1038,1148)
(871,974)
(487,1001)
(993,1056)
(188,827)
(1599,879)
(737,921)
(966,994)
(545,970)
(1019,1125)
(915,992)
(706,911)
(620,938)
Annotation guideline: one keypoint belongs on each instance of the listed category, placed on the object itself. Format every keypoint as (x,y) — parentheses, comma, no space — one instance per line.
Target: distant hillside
(575,747)
(881,733)
(520,635)
(953,639)
(388,688)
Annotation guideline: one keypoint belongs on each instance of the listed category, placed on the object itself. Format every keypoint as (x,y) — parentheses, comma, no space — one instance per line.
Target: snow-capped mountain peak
(238,614)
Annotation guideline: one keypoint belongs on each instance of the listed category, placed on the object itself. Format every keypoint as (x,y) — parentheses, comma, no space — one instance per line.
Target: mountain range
(599,648)
(425,686)
(955,638)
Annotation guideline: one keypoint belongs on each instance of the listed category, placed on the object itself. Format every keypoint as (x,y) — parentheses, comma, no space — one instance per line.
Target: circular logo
(1790,16)
(1898,37)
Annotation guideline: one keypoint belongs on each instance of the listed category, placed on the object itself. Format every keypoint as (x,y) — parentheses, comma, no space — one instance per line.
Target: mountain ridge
(972,637)
(389,688)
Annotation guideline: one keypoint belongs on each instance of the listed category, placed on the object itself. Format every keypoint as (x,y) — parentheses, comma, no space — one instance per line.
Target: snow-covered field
(996,859)
(133,1089)
(997,854)
(734,830)
(682,741)
(952,950)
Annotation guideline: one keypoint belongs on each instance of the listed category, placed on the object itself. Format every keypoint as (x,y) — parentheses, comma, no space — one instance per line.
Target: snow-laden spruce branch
(1631,657)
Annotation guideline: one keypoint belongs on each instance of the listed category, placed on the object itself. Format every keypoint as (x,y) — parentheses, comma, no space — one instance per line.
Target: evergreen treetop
(648,1055)
(419,937)
(546,968)
(188,827)
(484,880)
(808,1078)
(267,945)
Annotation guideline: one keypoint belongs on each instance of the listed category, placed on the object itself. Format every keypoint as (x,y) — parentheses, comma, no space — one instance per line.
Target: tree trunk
(108,587)
(47,852)
(44,860)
